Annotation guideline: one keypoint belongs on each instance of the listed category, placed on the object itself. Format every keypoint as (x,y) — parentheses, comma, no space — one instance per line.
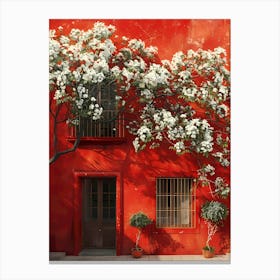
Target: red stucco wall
(138,171)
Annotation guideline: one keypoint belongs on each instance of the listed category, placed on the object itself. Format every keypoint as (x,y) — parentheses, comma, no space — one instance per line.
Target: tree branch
(75,146)
(60,153)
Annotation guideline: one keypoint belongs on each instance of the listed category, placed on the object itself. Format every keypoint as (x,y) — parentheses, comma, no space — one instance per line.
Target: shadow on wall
(224,240)
(144,168)
(159,242)
(61,222)
(154,162)
(152,242)
(225,243)
(102,158)
(162,160)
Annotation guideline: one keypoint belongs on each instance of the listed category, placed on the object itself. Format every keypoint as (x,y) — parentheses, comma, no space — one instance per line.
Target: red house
(95,189)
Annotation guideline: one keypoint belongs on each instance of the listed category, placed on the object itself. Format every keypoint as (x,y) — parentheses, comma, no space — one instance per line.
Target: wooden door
(99,213)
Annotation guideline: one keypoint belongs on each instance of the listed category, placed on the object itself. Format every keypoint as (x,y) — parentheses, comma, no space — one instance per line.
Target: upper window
(175,202)
(109,125)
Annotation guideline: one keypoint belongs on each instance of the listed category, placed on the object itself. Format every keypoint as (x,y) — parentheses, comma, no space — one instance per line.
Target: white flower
(218,78)
(75,33)
(136,144)
(116,71)
(77,75)
(222,110)
(109,45)
(127,74)
(191,54)
(99,77)
(220,50)
(184,76)
(64,40)
(204,93)
(179,147)
(144,133)
(92,57)
(166,63)
(136,44)
(101,31)
(150,79)
(189,92)
(54,48)
(58,94)
(52,33)
(156,75)
(225,162)
(209,169)
(101,66)
(97,113)
(177,61)
(151,51)
(159,136)
(79,103)
(147,94)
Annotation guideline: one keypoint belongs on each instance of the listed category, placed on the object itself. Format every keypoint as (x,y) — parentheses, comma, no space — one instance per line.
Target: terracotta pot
(137,252)
(208,254)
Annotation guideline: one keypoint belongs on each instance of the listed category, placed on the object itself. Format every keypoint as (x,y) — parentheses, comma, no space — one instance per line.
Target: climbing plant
(184,102)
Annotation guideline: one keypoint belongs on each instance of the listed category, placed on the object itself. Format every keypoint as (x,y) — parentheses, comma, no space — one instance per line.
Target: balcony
(107,131)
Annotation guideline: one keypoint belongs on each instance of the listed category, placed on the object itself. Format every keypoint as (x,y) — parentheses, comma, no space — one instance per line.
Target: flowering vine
(184,102)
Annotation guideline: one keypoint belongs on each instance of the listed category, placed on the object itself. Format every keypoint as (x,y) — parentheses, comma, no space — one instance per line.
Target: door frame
(77,207)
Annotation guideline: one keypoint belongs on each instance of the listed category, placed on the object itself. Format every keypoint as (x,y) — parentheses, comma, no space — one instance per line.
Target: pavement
(60,257)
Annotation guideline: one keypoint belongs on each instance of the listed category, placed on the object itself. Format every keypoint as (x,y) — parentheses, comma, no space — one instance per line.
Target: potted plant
(139,220)
(213,213)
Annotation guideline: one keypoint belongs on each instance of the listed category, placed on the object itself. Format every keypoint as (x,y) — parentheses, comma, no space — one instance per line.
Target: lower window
(175,202)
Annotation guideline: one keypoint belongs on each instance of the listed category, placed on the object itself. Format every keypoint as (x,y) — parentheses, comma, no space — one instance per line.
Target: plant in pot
(139,220)
(213,213)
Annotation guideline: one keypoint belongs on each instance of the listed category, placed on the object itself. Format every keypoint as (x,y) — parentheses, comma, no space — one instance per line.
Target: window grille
(175,202)
(110,124)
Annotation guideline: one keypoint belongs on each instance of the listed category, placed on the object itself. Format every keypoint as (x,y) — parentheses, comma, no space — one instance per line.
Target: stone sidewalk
(57,258)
